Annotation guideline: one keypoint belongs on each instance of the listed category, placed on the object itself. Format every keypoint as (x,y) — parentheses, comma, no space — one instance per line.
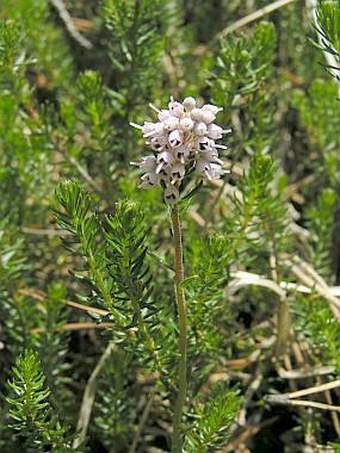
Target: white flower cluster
(182,139)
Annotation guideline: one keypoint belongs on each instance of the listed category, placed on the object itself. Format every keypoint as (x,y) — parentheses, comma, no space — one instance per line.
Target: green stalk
(283,327)
(182,337)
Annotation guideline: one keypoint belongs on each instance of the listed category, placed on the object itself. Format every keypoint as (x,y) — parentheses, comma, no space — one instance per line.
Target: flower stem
(182,338)
(283,327)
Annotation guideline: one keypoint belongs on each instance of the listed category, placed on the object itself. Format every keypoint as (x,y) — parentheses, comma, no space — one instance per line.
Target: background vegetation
(88,324)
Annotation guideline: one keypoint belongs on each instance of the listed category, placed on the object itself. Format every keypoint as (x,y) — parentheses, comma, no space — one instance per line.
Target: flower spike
(182,138)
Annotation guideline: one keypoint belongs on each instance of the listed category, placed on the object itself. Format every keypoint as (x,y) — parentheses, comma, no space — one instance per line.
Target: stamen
(148,134)
(155,109)
(159,167)
(137,126)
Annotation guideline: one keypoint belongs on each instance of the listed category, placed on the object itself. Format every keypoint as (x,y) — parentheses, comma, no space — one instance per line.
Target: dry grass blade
(315,389)
(88,398)
(253,16)
(70,27)
(77,326)
(280,400)
(314,281)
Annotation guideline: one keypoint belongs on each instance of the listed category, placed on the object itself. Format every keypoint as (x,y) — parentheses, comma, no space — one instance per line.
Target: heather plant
(169,226)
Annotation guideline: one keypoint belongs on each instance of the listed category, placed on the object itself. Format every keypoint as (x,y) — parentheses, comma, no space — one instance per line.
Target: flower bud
(207,117)
(176,109)
(171,123)
(196,114)
(211,108)
(189,103)
(163,115)
(186,124)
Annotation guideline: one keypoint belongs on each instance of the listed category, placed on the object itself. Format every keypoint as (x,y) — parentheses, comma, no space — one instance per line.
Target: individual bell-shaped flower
(182,153)
(189,103)
(215,132)
(207,117)
(163,115)
(216,171)
(171,194)
(147,163)
(200,129)
(149,180)
(204,168)
(203,143)
(164,160)
(148,129)
(210,155)
(177,172)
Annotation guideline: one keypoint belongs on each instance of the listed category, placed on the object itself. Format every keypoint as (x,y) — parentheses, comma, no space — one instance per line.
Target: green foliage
(212,422)
(24,151)
(34,18)
(317,324)
(114,250)
(86,237)
(137,30)
(12,268)
(246,55)
(115,405)
(210,260)
(136,40)
(260,215)
(52,346)
(241,82)
(319,112)
(321,224)
(125,233)
(327,25)
(11,263)
(29,407)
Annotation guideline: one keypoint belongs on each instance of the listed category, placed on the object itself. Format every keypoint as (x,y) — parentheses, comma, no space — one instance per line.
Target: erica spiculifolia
(183,141)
